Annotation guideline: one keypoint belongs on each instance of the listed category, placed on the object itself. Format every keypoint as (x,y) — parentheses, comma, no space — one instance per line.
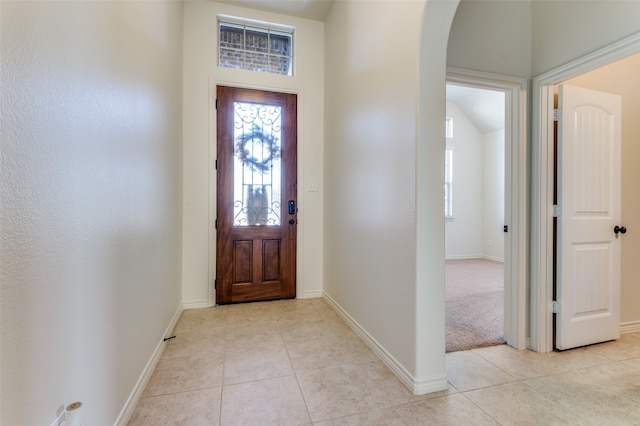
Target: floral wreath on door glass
(257,142)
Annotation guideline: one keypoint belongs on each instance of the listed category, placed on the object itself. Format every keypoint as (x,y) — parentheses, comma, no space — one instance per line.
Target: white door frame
(541,339)
(515,249)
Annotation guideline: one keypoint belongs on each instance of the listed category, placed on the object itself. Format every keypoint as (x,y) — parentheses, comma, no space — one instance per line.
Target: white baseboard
(474,256)
(195,304)
(630,327)
(435,384)
(418,387)
(134,397)
(310,295)
(463,256)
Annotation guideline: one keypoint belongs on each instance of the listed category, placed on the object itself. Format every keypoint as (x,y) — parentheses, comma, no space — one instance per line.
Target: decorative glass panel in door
(257,164)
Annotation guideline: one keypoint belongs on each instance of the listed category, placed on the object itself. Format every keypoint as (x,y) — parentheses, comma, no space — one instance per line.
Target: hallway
(295,362)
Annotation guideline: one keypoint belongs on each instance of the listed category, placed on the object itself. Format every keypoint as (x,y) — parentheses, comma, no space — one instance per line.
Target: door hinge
(556,211)
(557,114)
(216,103)
(215,284)
(216,223)
(506,228)
(556,307)
(216,164)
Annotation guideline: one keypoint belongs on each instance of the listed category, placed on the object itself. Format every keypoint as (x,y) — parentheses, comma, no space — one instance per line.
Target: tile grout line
(586,359)
(528,379)
(479,407)
(295,373)
(222,384)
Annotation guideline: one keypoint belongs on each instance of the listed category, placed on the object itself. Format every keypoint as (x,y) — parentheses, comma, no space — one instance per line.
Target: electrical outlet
(489,243)
(313,187)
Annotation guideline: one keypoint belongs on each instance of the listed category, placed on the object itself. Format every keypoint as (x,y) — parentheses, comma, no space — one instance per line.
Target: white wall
(492,36)
(622,78)
(493,184)
(464,233)
(567,30)
(384,233)
(201,74)
(495,37)
(91,196)
(476,230)
(370,146)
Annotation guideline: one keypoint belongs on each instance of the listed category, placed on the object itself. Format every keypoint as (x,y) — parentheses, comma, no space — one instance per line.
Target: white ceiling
(485,108)
(309,9)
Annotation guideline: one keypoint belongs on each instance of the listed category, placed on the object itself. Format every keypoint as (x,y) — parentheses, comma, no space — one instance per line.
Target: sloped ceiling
(485,108)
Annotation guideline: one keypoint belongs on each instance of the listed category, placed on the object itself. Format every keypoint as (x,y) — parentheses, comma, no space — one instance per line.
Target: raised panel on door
(271,253)
(589,196)
(242,261)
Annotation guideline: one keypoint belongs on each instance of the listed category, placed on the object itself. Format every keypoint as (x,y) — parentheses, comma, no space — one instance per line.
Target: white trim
(471,257)
(515,89)
(430,385)
(136,393)
(311,294)
(542,181)
(630,327)
(463,256)
(264,25)
(213,156)
(195,304)
(419,387)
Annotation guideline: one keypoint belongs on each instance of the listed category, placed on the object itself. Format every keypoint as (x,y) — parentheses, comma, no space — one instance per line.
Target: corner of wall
(417,386)
(136,393)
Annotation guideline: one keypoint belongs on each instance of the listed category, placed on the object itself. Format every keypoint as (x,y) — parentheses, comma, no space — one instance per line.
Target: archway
(430,342)
(437,22)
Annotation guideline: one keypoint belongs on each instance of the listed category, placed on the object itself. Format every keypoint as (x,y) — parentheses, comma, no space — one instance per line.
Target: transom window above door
(255,45)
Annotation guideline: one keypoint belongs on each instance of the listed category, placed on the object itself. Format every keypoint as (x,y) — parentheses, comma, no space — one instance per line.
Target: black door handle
(292,207)
(620,229)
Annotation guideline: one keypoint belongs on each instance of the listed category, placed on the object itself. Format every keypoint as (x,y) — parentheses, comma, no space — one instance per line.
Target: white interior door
(588,289)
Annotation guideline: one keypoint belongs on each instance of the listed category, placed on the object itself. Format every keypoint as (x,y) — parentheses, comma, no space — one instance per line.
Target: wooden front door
(256,195)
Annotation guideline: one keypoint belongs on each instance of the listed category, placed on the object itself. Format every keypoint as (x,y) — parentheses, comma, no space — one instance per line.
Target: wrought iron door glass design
(257,164)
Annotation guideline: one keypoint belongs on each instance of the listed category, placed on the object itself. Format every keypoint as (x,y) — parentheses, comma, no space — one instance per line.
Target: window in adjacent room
(449,128)
(448,183)
(448,172)
(254,45)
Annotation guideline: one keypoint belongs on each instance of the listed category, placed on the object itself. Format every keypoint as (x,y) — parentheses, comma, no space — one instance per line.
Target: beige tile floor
(295,362)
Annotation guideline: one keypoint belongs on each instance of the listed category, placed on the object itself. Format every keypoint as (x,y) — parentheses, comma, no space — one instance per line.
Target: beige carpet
(474,304)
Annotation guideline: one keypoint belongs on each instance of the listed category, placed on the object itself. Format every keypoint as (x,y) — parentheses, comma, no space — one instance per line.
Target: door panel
(589,194)
(256,184)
